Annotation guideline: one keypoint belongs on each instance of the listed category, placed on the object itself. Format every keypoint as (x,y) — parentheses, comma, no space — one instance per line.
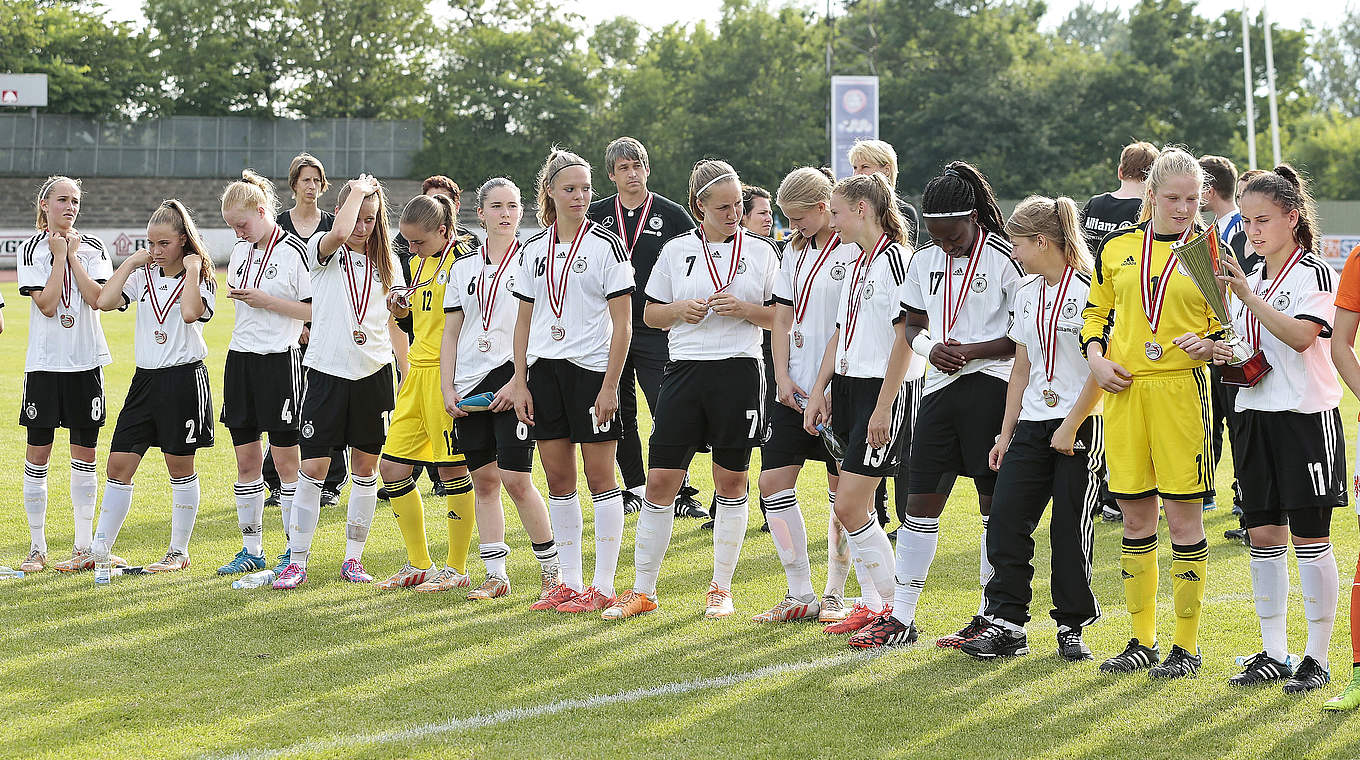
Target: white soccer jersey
(279,270)
(72,340)
(868,309)
(967,299)
(810,282)
(162,338)
(349,313)
(690,267)
(570,290)
(1048,324)
(481,290)
(1304,288)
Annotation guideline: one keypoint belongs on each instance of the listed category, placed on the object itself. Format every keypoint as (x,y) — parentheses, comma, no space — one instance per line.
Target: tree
(1335,55)
(364,58)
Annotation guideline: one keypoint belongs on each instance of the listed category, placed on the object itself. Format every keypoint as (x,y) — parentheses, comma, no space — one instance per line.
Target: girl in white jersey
(169,404)
(806,294)
(574,282)
(62,272)
(348,388)
(262,381)
(874,379)
(476,358)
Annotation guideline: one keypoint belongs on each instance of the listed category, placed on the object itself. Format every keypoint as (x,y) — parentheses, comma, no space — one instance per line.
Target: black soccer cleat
(688,506)
(1071,647)
(329,498)
(272,500)
(1135,657)
(1309,676)
(632,503)
(967,633)
(996,641)
(1178,664)
(884,631)
(1261,668)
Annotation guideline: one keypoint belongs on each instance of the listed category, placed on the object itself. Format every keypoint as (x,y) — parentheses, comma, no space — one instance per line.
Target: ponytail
(174,215)
(1286,188)
(875,190)
(1059,221)
(961,189)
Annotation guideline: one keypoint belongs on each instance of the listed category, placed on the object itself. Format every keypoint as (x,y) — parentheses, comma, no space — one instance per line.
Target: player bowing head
(710,288)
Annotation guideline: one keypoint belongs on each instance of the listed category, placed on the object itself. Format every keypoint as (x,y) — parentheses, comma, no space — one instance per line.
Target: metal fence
(202,146)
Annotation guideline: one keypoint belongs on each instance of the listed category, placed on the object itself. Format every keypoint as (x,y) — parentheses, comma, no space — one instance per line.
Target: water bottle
(103,565)
(254,580)
(6,573)
(834,445)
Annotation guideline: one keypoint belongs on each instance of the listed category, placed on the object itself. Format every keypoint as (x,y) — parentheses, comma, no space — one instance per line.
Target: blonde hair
(173,214)
(378,248)
(875,190)
(708,172)
(803,189)
(250,192)
(46,190)
(1174,161)
(878,152)
(1059,221)
(300,161)
(558,160)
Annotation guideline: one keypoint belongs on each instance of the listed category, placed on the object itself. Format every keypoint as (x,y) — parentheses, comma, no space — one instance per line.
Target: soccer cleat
(409,575)
(590,600)
(1261,668)
(284,560)
(630,604)
(353,571)
(557,595)
(884,631)
(272,500)
(35,562)
(966,633)
(446,579)
(329,498)
(291,577)
(833,610)
(1111,514)
(549,580)
(172,561)
(1348,699)
(243,562)
(82,560)
(1308,676)
(1071,647)
(494,586)
(1134,657)
(1178,664)
(1209,505)
(717,602)
(790,610)
(632,503)
(996,641)
(859,617)
(688,506)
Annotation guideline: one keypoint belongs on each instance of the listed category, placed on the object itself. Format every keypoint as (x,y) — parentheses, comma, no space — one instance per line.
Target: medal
(558,333)
(1254,324)
(797,339)
(360,337)
(160,311)
(66,319)
(1154,298)
(845,365)
(274,238)
(405,293)
(483,343)
(1050,398)
(1047,328)
(486,295)
(952,308)
(557,284)
(804,293)
(859,279)
(359,291)
(161,337)
(733,267)
(629,245)
(1153,350)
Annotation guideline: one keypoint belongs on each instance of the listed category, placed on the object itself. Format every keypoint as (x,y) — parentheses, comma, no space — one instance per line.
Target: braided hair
(961,187)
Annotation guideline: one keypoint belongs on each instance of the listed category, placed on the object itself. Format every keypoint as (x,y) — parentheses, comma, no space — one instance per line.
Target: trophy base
(1245,374)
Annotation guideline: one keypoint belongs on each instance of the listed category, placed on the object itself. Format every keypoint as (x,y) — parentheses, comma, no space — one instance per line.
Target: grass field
(182,666)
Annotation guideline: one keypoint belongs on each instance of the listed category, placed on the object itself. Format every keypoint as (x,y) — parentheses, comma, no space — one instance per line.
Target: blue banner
(854,117)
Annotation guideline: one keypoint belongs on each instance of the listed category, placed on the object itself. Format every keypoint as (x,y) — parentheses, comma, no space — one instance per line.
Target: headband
(710,183)
(945,214)
(564,166)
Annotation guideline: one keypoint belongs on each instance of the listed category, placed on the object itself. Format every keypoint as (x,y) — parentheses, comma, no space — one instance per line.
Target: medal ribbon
(486,299)
(1048,328)
(358,297)
(1254,324)
(1153,300)
(857,282)
(951,308)
(157,310)
(557,297)
(642,222)
(713,273)
(274,238)
(805,292)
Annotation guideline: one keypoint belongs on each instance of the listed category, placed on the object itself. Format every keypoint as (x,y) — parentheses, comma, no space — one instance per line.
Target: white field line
(513,714)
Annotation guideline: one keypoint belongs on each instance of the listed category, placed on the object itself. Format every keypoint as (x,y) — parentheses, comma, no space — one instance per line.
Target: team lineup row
(986,353)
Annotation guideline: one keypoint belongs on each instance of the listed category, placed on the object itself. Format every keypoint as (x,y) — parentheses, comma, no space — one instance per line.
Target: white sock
(184,496)
(653,537)
(546,554)
(917,540)
(1319,581)
(608,538)
(35,504)
(363,501)
(564,512)
(837,553)
(985,569)
(873,553)
(287,492)
(1270,588)
(250,515)
(306,513)
(493,556)
(639,491)
(790,540)
(84,489)
(729,531)
(117,503)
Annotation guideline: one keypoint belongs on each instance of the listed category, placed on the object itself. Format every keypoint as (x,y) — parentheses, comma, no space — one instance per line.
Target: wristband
(922,344)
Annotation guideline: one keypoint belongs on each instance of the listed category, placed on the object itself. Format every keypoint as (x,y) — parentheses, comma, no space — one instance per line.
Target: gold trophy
(1200,255)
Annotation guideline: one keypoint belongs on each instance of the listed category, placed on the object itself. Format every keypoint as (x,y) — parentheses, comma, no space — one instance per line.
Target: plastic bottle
(6,573)
(254,580)
(103,565)
(834,445)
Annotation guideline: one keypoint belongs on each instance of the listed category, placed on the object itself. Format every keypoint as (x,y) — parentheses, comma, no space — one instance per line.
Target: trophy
(1200,256)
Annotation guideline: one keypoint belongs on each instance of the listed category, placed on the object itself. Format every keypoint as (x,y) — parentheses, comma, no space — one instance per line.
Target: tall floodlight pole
(1248,88)
(1270,83)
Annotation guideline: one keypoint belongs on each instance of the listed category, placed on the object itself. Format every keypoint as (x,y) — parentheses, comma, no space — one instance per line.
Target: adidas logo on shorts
(1188,575)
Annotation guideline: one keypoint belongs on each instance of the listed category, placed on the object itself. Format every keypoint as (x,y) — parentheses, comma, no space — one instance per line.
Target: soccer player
(1290,451)
(868,157)
(1343,356)
(806,294)
(263,375)
(62,272)
(1107,212)
(1150,362)
(756,214)
(348,386)
(421,430)
(169,403)
(957,299)
(1050,445)
(711,289)
(644,220)
(476,358)
(575,284)
(874,382)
